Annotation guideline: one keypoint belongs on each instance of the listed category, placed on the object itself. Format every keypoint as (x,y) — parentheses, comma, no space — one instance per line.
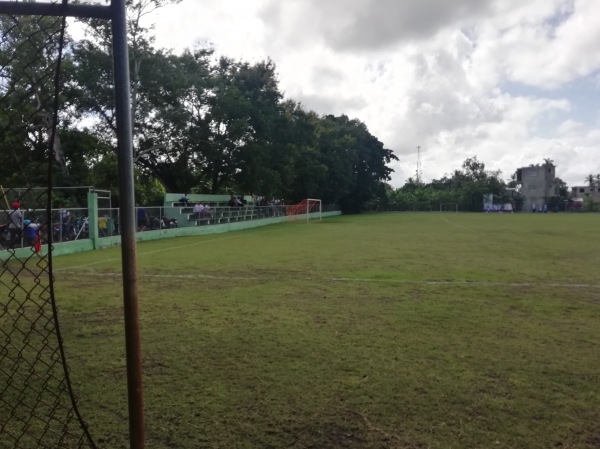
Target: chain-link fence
(37,404)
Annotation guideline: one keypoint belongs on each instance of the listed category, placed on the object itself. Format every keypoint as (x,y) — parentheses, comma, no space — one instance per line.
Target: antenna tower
(418,165)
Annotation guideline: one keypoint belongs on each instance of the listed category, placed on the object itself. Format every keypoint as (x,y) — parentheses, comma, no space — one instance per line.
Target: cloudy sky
(510,81)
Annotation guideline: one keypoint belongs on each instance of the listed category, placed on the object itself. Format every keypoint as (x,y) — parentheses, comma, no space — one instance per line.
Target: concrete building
(586,191)
(585,197)
(538,185)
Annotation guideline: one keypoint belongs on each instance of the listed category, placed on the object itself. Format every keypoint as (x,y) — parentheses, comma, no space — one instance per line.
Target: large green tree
(356,162)
(199,124)
(29,51)
(159,81)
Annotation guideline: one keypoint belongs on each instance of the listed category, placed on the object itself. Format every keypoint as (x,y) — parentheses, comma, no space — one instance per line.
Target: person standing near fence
(31,232)
(65,223)
(15,224)
(142,219)
(103,225)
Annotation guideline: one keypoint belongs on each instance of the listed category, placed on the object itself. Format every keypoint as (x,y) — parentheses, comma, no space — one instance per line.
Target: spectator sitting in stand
(169,222)
(155,223)
(184,200)
(198,210)
(208,211)
(232,201)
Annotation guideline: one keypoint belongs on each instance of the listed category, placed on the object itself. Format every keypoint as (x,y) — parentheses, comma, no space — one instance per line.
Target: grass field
(373,331)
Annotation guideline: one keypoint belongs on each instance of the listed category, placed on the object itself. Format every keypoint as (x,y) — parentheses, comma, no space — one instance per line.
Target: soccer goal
(448,207)
(306,209)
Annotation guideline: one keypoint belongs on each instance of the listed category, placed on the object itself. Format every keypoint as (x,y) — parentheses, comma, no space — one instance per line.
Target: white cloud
(429,72)
(365,24)
(570,128)
(537,48)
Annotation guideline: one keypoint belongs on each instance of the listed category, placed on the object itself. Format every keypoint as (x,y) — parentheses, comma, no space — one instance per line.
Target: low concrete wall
(79,246)
(76,246)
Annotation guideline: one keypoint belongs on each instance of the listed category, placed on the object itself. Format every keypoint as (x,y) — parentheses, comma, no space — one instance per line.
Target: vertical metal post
(307,209)
(127,225)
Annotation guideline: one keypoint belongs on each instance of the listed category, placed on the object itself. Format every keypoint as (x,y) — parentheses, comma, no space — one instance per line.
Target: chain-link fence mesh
(37,407)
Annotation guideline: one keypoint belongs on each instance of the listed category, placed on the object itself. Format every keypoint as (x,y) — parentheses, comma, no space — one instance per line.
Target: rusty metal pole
(117,13)
(127,225)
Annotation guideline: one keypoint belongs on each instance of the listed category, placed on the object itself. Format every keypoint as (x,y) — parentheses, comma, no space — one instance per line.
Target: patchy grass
(373,331)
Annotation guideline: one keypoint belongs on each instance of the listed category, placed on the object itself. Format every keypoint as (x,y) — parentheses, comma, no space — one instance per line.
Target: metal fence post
(127,225)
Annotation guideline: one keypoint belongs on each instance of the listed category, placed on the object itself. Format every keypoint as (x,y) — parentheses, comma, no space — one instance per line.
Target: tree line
(200,123)
(464,188)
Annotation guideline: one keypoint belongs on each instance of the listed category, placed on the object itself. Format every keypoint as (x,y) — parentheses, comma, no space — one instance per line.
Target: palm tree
(591,180)
(548,161)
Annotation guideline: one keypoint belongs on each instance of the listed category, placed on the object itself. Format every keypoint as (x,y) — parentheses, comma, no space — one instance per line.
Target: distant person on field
(533,208)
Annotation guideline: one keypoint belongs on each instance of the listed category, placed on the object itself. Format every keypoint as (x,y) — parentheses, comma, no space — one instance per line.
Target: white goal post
(314,205)
(306,208)
(448,207)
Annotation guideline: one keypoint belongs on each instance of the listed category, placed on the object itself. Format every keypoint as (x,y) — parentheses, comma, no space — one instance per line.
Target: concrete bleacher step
(229,215)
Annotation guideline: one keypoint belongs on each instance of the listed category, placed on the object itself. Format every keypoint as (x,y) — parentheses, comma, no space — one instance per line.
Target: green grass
(373,331)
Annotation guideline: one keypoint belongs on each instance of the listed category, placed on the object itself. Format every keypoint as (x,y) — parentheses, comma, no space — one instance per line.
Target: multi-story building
(538,185)
(586,191)
(585,197)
